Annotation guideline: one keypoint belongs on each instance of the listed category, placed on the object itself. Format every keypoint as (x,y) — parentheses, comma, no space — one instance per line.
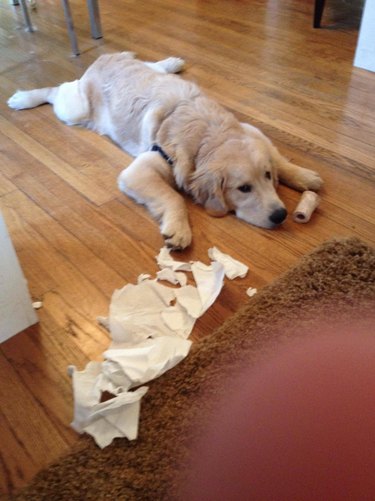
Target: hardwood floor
(78,238)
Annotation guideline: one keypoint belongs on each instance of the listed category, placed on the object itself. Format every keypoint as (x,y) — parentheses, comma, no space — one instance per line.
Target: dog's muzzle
(278,216)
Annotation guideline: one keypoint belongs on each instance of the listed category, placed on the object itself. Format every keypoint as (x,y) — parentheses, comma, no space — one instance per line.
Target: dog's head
(240,175)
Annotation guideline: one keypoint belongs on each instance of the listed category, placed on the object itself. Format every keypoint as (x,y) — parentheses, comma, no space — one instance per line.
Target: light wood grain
(78,238)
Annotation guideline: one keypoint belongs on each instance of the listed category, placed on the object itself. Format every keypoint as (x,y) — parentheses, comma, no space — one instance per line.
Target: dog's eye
(245,188)
(268,175)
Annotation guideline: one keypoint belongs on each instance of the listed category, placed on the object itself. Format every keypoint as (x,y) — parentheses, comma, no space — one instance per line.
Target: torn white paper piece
(116,417)
(135,311)
(149,324)
(174,277)
(188,297)
(209,280)
(251,291)
(141,363)
(233,268)
(165,260)
(117,420)
(178,320)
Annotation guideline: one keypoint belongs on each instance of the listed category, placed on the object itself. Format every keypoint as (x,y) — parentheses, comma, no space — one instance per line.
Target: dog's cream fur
(225,165)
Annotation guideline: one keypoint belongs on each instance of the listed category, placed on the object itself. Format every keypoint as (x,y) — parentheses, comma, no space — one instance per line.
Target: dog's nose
(278,216)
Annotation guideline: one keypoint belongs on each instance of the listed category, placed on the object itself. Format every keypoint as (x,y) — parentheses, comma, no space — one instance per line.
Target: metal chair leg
(318,12)
(26,16)
(70,25)
(96,29)
(93,8)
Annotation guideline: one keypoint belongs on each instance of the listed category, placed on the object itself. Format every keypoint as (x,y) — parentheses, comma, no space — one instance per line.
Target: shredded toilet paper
(149,324)
(232,267)
(251,291)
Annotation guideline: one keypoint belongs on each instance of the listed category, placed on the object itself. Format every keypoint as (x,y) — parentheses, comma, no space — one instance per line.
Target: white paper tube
(308,203)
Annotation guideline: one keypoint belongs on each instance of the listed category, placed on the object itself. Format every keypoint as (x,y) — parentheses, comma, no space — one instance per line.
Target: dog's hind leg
(71,104)
(148,180)
(69,101)
(24,99)
(169,65)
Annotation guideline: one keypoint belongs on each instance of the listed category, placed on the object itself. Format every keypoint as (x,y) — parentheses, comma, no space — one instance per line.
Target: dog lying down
(181,139)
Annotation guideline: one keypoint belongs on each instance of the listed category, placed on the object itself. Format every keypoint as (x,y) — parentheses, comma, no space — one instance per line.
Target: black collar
(159,149)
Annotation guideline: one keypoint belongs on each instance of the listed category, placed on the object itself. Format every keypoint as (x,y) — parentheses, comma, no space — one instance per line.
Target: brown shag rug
(337,281)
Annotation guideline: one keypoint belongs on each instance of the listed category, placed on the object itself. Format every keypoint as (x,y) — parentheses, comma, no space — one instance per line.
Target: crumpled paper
(251,291)
(165,260)
(132,366)
(116,417)
(149,324)
(209,280)
(232,267)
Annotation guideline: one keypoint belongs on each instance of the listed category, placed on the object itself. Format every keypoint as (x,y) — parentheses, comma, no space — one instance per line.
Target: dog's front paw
(308,180)
(313,181)
(177,234)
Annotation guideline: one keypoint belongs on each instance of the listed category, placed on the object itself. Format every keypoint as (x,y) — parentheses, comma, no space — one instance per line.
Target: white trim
(365,52)
(16,311)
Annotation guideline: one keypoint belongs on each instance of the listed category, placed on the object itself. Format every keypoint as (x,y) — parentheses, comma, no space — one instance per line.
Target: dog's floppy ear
(207,189)
(275,156)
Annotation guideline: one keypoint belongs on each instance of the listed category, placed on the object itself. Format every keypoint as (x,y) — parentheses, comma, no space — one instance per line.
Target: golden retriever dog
(182,140)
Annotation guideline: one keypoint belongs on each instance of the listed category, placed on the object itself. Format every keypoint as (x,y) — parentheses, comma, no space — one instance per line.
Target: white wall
(365,52)
(16,311)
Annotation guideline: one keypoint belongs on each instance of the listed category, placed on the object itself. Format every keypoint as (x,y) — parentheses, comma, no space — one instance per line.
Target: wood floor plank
(16,464)
(6,186)
(35,434)
(78,238)
(65,243)
(86,223)
(78,292)
(50,387)
(86,185)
